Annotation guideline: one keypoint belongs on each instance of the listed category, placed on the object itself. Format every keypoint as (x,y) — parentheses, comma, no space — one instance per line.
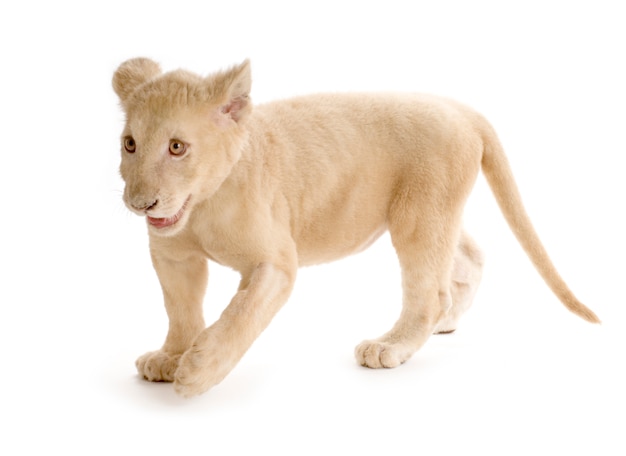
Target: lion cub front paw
(157,366)
(199,370)
(376,354)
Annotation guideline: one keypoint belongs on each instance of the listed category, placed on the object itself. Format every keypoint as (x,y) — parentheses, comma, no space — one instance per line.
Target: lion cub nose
(144,206)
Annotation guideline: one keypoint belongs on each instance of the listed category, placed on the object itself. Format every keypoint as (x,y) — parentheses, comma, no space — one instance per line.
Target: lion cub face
(183,134)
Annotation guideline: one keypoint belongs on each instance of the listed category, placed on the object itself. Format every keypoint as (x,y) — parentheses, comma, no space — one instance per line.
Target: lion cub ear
(232,89)
(131,74)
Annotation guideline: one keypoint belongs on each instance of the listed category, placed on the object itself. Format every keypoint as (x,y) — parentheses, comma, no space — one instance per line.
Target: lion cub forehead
(174,91)
(153,130)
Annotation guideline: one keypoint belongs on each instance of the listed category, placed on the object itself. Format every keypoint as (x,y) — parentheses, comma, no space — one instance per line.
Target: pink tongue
(167,221)
(161,222)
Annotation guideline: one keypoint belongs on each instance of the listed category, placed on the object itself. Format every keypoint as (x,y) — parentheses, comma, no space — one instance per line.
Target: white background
(79,300)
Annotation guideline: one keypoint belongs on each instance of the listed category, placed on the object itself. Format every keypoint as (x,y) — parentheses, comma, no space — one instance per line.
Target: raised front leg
(218,348)
(184,284)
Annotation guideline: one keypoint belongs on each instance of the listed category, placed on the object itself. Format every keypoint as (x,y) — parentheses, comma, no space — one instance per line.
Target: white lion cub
(299,182)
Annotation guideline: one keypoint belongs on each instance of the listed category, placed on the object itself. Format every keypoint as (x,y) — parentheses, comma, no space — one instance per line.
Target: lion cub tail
(500,178)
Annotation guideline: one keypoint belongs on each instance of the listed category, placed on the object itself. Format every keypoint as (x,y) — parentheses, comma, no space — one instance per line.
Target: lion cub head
(183,135)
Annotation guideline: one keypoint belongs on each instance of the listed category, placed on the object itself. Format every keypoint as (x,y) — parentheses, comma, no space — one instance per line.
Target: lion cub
(299,182)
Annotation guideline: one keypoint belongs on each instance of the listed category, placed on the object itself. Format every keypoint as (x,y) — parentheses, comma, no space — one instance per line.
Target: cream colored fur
(300,182)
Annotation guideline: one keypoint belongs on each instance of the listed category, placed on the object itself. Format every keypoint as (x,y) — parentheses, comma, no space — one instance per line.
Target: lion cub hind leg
(425,256)
(467,271)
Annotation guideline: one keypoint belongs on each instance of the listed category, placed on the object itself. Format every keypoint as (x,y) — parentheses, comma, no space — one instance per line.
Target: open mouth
(168,221)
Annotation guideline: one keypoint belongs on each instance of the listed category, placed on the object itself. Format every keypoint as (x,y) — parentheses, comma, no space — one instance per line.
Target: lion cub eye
(177,147)
(129,145)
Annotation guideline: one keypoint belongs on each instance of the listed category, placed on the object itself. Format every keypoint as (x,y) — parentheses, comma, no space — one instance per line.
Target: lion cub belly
(336,235)
(315,251)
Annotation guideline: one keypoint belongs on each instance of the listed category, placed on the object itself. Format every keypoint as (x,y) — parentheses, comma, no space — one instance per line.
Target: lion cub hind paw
(378,355)
(157,366)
